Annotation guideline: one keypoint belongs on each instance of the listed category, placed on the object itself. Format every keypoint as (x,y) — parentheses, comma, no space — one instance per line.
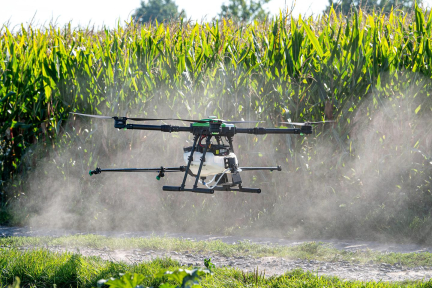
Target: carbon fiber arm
(262,131)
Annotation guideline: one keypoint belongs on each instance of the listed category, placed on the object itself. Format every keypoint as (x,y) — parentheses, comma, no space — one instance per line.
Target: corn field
(369,72)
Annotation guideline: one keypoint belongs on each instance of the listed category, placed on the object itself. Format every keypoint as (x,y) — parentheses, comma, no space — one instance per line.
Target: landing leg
(189,162)
(195,186)
(239,189)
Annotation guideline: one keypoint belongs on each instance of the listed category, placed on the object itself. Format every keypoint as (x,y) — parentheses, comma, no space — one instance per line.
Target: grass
(42,268)
(312,250)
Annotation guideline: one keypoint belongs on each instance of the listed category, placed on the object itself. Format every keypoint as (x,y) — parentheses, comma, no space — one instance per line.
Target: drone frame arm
(120,123)
(277,168)
(163,128)
(160,169)
(262,131)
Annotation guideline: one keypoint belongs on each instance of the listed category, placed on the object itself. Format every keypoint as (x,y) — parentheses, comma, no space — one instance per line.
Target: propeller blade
(190,120)
(134,118)
(149,119)
(93,116)
(294,123)
(239,122)
(321,122)
(307,123)
(165,119)
(162,119)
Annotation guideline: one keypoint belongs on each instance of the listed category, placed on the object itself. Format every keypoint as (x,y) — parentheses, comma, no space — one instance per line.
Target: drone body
(211,159)
(216,155)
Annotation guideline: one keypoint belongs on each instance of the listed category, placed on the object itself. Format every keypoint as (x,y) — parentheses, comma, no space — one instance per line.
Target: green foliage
(47,269)
(186,278)
(208,264)
(243,11)
(42,268)
(254,278)
(385,6)
(160,10)
(5,215)
(127,280)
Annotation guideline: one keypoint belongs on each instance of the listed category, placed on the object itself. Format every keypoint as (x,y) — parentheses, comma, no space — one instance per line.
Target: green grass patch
(42,268)
(312,250)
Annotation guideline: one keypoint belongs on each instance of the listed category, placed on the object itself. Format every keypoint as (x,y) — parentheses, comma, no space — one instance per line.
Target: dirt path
(271,265)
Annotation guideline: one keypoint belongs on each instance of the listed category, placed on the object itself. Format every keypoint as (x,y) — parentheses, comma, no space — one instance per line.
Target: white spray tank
(214,159)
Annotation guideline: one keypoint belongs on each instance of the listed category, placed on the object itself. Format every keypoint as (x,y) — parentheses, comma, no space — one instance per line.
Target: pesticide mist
(365,176)
(329,187)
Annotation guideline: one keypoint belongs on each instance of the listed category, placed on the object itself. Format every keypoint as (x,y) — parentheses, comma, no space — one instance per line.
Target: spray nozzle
(96,171)
(161,174)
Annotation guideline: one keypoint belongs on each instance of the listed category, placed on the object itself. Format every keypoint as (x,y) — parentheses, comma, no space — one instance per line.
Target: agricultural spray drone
(205,158)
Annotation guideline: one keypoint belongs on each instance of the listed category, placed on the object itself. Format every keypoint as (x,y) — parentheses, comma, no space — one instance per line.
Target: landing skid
(212,190)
